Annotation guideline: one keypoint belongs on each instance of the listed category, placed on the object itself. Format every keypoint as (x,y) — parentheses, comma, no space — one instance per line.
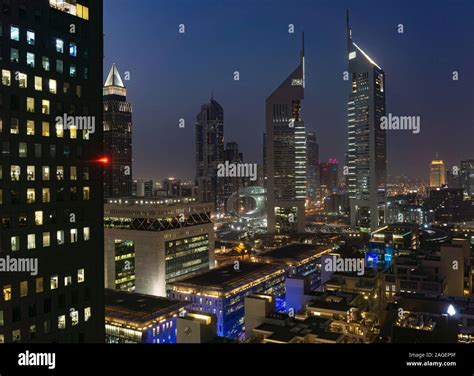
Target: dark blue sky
(173,74)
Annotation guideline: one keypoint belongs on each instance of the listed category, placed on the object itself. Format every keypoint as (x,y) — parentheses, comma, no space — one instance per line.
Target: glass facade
(185,256)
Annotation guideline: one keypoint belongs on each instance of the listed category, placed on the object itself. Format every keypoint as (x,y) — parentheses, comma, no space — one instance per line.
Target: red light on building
(103,161)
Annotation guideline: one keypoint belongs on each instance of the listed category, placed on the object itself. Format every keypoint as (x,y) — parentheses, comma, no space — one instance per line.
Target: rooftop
(138,310)
(294,252)
(227,278)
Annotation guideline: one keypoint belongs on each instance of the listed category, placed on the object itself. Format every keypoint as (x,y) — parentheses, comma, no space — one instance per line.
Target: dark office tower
(210,153)
(148,188)
(51,188)
(232,184)
(117,137)
(329,178)
(366,155)
(286,154)
(467,177)
(312,172)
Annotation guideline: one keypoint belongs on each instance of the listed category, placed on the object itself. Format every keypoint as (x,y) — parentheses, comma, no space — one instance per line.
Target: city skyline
(404,56)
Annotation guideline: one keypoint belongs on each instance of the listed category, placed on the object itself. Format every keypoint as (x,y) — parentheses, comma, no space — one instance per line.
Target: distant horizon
(172,74)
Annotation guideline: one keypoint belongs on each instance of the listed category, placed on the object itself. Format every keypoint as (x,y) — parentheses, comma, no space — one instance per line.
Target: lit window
(73,49)
(60,237)
(30,37)
(53,87)
(39,217)
(45,129)
(38,83)
(46,195)
(73,233)
(68,281)
(30,196)
(15,33)
(62,322)
(15,243)
(87,313)
(59,130)
(31,241)
(54,282)
(59,45)
(6,77)
(60,173)
(87,233)
(30,173)
(73,173)
(7,293)
(14,55)
(74,317)
(30,59)
(81,276)
(15,127)
(39,285)
(23,289)
(73,132)
(45,107)
(15,173)
(30,104)
(30,128)
(46,239)
(72,70)
(46,173)
(45,63)
(22,80)
(86,194)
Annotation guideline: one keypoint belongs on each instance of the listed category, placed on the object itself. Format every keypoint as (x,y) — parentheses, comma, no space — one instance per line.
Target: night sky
(172,74)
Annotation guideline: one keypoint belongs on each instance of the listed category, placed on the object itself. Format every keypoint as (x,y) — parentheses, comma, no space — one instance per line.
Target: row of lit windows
(30,195)
(46,237)
(71,7)
(16,175)
(22,79)
(7,292)
(30,59)
(31,129)
(59,44)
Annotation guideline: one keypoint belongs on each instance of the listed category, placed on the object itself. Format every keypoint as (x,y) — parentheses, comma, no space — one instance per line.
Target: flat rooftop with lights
(227,278)
(138,310)
(295,252)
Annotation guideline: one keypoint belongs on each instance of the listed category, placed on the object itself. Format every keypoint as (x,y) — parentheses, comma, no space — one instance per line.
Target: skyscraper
(329,177)
(210,153)
(467,177)
(51,185)
(117,137)
(286,154)
(437,174)
(366,155)
(312,163)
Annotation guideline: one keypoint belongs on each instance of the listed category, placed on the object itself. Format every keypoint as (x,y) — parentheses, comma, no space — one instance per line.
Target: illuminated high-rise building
(366,155)
(467,177)
(286,154)
(312,167)
(117,137)
(437,174)
(51,175)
